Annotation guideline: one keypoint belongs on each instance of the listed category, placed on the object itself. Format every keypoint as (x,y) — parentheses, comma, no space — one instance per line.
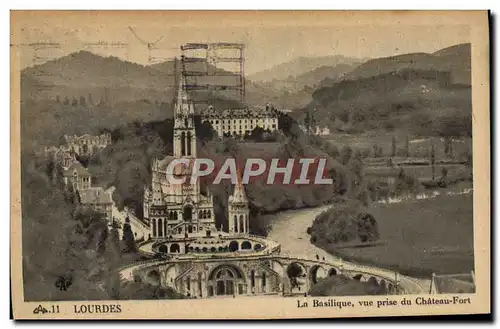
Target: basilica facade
(180,211)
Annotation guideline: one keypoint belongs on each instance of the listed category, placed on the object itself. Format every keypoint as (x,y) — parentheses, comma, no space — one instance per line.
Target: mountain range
(302,65)
(112,91)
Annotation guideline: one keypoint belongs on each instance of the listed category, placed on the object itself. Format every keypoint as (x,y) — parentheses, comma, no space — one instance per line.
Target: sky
(269,38)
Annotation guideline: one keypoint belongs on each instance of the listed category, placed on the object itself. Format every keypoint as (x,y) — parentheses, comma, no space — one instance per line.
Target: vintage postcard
(249,165)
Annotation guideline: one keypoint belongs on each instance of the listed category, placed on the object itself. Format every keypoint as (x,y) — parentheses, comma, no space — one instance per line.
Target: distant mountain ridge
(422,93)
(455,59)
(302,65)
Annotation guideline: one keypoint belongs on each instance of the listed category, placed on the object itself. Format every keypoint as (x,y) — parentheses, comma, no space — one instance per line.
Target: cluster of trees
(341,224)
(391,100)
(340,285)
(69,252)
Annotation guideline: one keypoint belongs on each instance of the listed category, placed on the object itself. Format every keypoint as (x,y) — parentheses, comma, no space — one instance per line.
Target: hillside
(109,80)
(301,65)
(409,99)
(455,59)
(424,94)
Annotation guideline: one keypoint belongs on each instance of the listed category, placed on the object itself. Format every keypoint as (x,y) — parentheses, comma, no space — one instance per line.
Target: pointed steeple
(183,106)
(239,194)
(184,130)
(238,211)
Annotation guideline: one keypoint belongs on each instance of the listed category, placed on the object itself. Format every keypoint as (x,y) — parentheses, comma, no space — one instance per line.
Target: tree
(367,227)
(294,271)
(448,146)
(433,160)
(393,146)
(345,154)
(128,239)
(83,102)
(444,174)
(407,146)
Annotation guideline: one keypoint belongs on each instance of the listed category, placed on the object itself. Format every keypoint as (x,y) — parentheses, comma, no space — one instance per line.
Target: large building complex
(241,122)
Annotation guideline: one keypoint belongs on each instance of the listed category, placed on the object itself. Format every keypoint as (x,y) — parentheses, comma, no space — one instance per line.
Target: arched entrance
(246,245)
(226,280)
(175,248)
(233,246)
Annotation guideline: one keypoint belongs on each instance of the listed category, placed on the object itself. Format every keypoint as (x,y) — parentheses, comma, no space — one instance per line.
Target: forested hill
(408,99)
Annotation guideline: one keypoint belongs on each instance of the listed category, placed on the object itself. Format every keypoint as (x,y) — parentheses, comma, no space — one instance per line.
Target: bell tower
(184,130)
(238,210)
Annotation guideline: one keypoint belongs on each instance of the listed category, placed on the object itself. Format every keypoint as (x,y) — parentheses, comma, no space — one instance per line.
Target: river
(289,229)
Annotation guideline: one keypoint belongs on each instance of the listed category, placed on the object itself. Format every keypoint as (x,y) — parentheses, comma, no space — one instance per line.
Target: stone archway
(163,249)
(373,281)
(333,271)
(175,248)
(153,277)
(226,280)
(316,273)
(257,247)
(246,245)
(233,246)
(295,273)
(383,287)
(358,277)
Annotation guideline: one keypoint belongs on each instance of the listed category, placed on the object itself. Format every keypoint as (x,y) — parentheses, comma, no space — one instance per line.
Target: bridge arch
(295,272)
(358,277)
(153,277)
(383,286)
(316,273)
(373,281)
(333,271)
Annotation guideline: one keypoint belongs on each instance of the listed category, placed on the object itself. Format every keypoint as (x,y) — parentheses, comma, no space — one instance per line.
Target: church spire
(239,194)
(184,130)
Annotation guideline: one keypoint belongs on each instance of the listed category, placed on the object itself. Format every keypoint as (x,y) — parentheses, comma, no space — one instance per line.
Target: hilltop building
(241,121)
(98,199)
(87,144)
(77,176)
(322,131)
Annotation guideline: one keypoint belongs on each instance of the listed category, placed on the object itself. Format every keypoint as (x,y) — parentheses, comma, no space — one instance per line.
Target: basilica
(181,212)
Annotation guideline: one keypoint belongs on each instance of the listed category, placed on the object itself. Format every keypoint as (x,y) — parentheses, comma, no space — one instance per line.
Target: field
(421,237)
(418,147)
(420,172)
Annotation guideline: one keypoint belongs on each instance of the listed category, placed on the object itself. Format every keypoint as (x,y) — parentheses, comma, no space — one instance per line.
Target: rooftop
(95,195)
(78,168)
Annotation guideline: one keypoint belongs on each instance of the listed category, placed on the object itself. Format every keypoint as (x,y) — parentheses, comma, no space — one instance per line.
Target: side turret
(238,210)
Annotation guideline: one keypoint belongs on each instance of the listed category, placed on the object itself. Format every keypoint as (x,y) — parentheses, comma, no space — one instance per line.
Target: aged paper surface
(112,110)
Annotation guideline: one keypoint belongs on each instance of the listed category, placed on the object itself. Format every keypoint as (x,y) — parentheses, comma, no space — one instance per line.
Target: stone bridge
(265,272)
